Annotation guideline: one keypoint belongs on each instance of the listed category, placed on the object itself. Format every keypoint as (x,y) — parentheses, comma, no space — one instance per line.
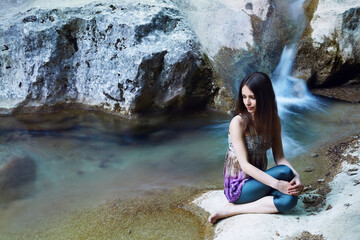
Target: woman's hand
(296,186)
(283,186)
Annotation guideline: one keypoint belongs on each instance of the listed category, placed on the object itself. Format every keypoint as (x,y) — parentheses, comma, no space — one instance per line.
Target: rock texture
(125,57)
(329,52)
(339,217)
(243,36)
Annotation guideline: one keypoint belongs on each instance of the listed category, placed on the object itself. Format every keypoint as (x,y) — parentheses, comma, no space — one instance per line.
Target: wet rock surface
(349,93)
(335,154)
(328,52)
(331,201)
(241,37)
(127,58)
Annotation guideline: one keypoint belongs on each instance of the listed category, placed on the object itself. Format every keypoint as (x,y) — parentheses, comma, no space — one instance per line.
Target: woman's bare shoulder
(236,122)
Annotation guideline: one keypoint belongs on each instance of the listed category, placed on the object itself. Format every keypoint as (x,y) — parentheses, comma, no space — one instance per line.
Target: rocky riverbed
(329,207)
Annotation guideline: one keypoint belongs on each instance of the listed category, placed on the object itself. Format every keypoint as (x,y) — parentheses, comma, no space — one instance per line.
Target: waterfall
(292,95)
(291,92)
(293,100)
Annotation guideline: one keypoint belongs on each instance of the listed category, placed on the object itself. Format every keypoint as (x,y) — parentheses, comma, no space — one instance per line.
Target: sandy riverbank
(328,209)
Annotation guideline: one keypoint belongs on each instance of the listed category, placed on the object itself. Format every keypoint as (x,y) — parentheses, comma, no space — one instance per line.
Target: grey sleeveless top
(234,177)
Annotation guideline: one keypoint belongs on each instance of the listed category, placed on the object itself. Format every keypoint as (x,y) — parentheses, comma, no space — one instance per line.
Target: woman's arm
(279,158)
(237,136)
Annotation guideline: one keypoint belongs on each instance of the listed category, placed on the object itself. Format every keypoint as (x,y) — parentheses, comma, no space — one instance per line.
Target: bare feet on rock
(214,217)
(225,211)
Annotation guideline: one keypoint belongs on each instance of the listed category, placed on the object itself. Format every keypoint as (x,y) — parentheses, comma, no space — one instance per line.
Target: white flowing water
(292,95)
(293,100)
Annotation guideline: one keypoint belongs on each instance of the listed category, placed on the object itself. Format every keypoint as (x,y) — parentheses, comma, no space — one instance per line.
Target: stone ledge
(349,93)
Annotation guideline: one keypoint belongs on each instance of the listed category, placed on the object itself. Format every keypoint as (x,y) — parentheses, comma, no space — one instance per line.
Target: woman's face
(249,99)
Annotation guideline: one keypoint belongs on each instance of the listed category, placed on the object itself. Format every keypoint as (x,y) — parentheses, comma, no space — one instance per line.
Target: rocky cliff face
(131,57)
(127,57)
(243,36)
(329,52)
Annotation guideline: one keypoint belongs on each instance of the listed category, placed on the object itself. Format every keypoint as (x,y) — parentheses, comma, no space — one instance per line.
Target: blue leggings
(254,190)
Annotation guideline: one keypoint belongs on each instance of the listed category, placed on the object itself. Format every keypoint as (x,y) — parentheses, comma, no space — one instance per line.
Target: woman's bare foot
(262,205)
(214,218)
(225,211)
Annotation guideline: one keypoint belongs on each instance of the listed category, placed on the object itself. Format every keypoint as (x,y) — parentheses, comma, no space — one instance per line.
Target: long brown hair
(266,109)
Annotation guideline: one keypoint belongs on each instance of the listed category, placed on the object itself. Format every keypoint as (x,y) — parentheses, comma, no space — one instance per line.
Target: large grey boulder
(126,57)
(329,52)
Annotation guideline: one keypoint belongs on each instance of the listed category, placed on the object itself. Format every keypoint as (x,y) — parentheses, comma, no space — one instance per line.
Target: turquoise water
(85,158)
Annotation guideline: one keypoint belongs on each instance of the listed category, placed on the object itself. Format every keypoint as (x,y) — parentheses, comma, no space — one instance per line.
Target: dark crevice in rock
(31,18)
(149,73)
(69,31)
(109,28)
(161,21)
(120,44)
(324,66)
(351,19)
(344,74)
(198,87)
(121,99)
(56,75)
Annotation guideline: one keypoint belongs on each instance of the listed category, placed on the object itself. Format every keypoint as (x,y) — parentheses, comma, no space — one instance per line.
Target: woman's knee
(285,202)
(285,173)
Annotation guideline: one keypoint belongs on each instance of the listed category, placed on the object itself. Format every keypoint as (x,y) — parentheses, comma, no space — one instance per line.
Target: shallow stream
(84,159)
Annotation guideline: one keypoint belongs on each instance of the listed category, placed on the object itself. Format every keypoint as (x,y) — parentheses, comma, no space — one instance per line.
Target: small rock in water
(352,169)
(249,6)
(357,182)
(329,207)
(351,173)
(103,163)
(309,169)
(17,171)
(277,233)
(314,155)
(347,205)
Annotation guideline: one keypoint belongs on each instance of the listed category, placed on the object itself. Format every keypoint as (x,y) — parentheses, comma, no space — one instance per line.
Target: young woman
(255,128)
